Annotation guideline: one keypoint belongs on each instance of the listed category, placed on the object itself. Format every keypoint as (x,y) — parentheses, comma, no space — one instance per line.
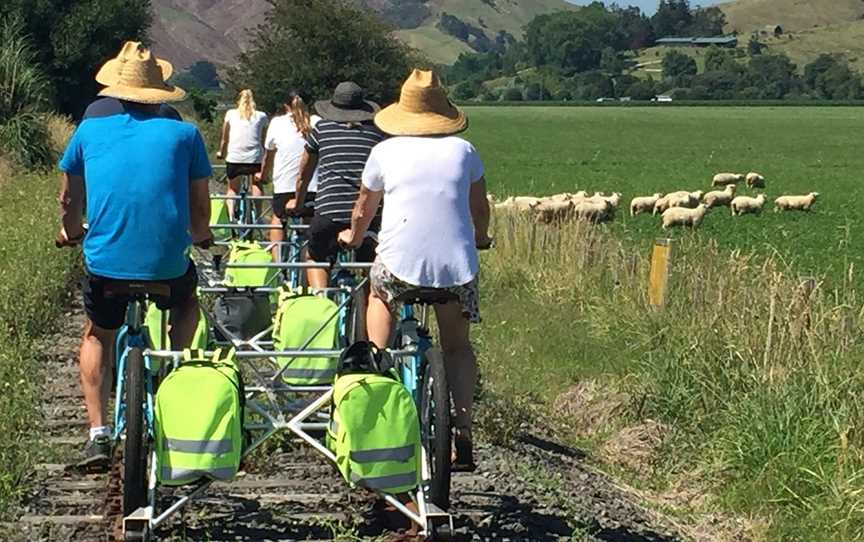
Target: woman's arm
(265,164)
(480,213)
(223,145)
(364,211)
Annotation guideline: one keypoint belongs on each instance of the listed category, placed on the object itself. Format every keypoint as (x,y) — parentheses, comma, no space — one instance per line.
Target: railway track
(534,490)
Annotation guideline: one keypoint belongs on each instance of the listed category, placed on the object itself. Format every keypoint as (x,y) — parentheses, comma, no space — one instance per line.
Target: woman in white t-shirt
(435,217)
(242,145)
(285,146)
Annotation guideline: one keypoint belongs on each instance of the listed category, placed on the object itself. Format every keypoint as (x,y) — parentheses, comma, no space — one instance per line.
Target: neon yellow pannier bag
(219,215)
(295,323)
(199,420)
(250,252)
(375,432)
(153,323)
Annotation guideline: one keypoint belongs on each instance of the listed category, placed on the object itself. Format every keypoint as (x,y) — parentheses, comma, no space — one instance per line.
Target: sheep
(744,204)
(553,211)
(795,203)
(593,211)
(683,199)
(643,204)
(723,179)
(720,198)
(661,205)
(754,180)
(697,195)
(520,203)
(566,196)
(682,216)
(614,200)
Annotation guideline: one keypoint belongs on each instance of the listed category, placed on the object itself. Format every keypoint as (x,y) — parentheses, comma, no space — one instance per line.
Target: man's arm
(480,213)
(199,210)
(71,207)
(365,210)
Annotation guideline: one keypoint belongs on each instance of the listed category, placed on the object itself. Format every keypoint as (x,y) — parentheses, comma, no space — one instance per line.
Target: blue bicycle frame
(130,336)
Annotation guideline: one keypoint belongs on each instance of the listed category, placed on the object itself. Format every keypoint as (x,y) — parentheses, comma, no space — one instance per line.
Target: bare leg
(459,360)
(184,322)
(257,190)
(379,322)
(97,356)
(276,236)
(318,278)
(233,188)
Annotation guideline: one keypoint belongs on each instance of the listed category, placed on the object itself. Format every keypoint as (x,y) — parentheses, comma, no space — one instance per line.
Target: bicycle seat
(427,296)
(122,288)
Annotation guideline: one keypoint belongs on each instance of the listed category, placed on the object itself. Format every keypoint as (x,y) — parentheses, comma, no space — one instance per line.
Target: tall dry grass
(753,371)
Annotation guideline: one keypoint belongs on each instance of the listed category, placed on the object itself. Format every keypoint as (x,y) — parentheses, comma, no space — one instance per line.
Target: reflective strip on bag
(224,473)
(225,446)
(386,482)
(401,454)
(334,427)
(309,373)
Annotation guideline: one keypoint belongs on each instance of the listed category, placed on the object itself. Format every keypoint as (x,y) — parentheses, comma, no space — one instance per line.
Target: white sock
(101,431)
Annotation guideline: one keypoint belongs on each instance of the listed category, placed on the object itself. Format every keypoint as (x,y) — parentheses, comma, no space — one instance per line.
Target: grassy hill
(186,31)
(811,27)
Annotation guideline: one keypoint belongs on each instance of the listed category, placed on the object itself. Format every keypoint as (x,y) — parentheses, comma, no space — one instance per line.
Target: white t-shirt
(427,234)
(290,145)
(244,139)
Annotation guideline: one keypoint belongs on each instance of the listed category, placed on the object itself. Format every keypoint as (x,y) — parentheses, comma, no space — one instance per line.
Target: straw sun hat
(138,76)
(422,110)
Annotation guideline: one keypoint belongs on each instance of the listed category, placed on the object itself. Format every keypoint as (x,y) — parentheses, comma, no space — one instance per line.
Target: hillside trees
(334,41)
(75,37)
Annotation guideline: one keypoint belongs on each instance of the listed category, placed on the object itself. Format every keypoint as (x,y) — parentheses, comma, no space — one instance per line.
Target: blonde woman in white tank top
(242,145)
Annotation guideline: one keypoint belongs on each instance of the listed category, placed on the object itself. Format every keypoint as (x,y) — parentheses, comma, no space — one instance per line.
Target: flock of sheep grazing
(680,208)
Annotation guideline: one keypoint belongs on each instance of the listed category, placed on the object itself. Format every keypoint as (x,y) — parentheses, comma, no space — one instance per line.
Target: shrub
(512,94)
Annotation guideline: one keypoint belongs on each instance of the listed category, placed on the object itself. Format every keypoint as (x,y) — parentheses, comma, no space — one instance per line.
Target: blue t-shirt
(138,170)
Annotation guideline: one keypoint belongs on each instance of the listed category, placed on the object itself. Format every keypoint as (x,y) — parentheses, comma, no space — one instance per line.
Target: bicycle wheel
(435,426)
(135,447)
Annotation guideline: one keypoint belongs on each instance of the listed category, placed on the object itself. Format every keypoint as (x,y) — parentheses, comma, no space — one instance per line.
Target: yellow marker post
(658,285)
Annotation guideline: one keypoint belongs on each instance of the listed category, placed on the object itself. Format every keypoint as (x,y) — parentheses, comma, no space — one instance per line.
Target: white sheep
(593,211)
(661,205)
(754,180)
(566,196)
(682,216)
(795,203)
(720,198)
(614,200)
(553,211)
(743,204)
(683,198)
(723,179)
(519,203)
(643,204)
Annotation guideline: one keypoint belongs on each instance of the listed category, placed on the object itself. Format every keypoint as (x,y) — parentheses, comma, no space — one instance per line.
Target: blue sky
(648,6)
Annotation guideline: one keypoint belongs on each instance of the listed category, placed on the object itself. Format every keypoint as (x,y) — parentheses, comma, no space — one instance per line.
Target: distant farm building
(722,41)
(772,30)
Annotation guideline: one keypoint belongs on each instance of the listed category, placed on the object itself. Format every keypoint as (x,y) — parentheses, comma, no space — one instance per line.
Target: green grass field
(639,151)
(737,408)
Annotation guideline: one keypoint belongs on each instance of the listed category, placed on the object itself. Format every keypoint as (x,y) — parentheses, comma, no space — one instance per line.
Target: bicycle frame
(299,410)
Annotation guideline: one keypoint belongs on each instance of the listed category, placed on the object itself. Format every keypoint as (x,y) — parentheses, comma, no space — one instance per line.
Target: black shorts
(324,241)
(232,170)
(280,200)
(110,312)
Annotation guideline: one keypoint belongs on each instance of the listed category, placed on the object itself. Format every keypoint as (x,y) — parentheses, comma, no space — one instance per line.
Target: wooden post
(661,258)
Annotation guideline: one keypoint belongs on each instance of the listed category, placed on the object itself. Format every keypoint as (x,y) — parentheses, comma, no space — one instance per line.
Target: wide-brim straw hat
(423,109)
(136,75)
(348,104)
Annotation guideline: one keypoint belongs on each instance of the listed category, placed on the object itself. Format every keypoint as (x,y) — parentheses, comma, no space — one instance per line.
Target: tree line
(589,54)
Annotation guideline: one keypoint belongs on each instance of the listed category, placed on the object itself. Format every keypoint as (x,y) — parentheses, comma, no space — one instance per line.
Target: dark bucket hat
(347,105)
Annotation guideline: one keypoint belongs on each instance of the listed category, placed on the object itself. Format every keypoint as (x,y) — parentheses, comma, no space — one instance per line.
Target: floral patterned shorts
(388,288)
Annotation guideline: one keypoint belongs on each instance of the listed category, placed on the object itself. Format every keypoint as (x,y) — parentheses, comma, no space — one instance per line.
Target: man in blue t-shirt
(147,201)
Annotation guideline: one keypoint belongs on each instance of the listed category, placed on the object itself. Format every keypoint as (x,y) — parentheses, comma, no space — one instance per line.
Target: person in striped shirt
(339,147)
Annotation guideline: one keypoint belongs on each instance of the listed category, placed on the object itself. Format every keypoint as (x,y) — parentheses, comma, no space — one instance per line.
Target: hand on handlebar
(219,155)
(64,241)
(347,239)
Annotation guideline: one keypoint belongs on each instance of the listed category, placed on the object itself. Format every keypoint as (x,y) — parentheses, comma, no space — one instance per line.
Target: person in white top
(242,145)
(285,146)
(435,217)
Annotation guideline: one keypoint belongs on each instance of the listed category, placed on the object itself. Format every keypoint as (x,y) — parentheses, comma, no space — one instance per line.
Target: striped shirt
(342,154)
